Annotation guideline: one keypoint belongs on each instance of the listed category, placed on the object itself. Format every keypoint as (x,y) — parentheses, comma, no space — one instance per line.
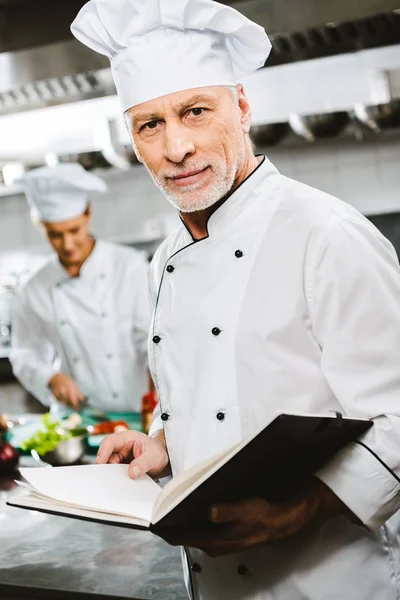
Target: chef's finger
(115,458)
(117,442)
(73,399)
(142,464)
(106,449)
(75,404)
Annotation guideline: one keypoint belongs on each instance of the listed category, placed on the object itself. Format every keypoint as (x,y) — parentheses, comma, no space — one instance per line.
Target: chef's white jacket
(93,328)
(292,303)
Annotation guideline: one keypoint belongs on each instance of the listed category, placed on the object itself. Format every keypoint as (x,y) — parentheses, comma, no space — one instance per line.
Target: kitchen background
(326,111)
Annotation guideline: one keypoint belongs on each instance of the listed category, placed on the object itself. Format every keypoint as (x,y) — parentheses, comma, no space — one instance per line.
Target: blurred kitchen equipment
(37,458)
(313,127)
(379,117)
(106,137)
(269,134)
(67,452)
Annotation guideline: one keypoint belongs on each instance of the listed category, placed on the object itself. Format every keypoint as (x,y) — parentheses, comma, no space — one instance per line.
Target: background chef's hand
(145,454)
(66,390)
(252,522)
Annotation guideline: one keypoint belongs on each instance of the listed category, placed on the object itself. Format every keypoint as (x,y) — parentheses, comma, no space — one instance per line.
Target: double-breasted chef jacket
(93,328)
(291,303)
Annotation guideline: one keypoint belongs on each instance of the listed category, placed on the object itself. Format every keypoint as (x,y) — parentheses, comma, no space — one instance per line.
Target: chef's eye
(196,112)
(150,125)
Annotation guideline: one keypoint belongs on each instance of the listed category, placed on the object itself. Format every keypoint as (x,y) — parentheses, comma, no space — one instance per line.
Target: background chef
(80,324)
(270,296)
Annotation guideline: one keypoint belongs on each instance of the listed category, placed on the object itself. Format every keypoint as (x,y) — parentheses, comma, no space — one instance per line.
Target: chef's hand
(253,522)
(143,453)
(66,390)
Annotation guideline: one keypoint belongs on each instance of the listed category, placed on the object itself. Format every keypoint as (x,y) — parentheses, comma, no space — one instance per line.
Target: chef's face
(194,143)
(71,239)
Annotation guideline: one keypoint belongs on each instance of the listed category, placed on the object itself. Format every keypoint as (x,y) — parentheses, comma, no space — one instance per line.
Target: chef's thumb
(139,467)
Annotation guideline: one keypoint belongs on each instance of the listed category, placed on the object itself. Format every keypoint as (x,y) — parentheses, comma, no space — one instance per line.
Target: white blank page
(106,488)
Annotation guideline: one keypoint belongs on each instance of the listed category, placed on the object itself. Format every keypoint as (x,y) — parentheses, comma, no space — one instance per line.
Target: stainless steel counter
(45,556)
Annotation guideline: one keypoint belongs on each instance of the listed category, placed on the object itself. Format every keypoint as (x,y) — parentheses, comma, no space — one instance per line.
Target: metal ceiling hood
(59,73)
(269,134)
(26,24)
(50,62)
(320,126)
(285,16)
(379,117)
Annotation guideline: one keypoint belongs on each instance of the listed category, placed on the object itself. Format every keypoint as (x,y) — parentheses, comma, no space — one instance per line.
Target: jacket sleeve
(353,289)
(33,358)
(141,322)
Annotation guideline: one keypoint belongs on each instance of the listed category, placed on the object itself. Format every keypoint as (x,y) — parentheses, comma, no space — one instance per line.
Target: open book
(274,463)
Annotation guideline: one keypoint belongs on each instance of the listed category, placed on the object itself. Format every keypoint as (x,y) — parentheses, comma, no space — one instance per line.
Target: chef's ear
(88,211)
(245,109)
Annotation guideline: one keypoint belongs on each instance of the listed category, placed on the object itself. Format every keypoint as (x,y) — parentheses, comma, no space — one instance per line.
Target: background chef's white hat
(60,193)
(157,47)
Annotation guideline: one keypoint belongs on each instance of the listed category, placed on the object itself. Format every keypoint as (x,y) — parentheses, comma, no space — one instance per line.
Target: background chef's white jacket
(292,303)
(93,328)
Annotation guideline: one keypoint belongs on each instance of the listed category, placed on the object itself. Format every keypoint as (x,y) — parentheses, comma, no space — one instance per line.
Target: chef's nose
(178,144)
(68,243)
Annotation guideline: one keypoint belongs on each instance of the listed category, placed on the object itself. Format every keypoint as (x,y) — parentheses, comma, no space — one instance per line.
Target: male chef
(80,324)
(271,296)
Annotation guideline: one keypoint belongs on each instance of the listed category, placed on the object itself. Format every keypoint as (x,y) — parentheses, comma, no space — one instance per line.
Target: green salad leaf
(47,437)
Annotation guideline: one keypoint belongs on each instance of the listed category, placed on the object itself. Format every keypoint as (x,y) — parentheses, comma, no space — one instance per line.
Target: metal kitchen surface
(44,556)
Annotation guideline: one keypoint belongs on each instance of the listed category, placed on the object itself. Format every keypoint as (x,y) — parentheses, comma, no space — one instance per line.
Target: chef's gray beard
(194,200)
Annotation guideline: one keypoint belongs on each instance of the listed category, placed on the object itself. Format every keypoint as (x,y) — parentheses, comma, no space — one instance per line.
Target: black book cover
(274,465)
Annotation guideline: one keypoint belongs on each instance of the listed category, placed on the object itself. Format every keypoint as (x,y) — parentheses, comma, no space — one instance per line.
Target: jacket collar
(235,204)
